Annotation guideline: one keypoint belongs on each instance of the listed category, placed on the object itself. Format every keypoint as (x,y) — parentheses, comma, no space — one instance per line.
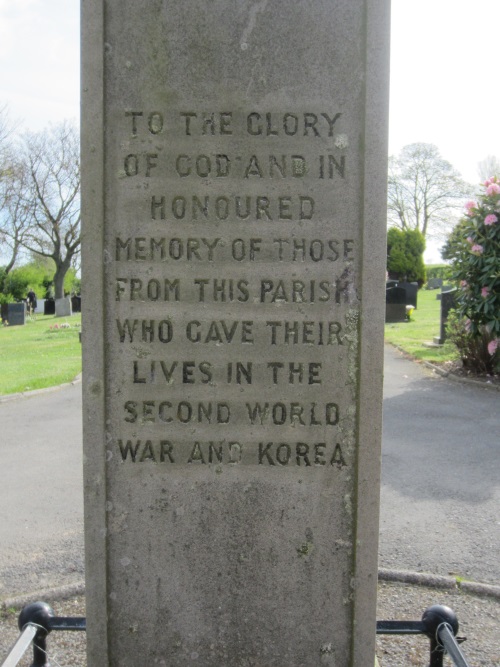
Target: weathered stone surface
(63,307)
(234,238)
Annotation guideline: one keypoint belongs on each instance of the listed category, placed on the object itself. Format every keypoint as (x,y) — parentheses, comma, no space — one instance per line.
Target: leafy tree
(424,190)
(72,284)
(405,251)
(442,271)
(474,249)
(3,276)
(32,275)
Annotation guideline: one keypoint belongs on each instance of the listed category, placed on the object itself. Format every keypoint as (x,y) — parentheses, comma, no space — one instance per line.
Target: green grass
(35,356)
(424,325)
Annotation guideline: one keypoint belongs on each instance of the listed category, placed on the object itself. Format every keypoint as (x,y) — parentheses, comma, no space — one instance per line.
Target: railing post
(432,618)
(39,615)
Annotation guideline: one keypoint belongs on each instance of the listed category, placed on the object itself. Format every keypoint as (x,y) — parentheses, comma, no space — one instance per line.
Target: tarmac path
(41,491)
(440,493)
(440,496)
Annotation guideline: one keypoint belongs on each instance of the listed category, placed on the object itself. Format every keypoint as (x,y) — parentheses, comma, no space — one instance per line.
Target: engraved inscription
(235,290)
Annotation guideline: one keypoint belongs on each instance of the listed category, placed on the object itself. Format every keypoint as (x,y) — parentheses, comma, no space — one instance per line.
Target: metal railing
(439,624)
(36,621)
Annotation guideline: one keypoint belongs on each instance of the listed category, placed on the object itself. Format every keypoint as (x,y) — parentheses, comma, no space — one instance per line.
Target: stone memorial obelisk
(234,170)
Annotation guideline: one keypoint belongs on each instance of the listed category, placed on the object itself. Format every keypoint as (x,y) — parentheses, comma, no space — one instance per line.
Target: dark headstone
(76,304)
(4,311)
(16,313)
(395,312)
(395,305)
(411,290)
(395,295)
(444,288)
(448,302)
(49,307)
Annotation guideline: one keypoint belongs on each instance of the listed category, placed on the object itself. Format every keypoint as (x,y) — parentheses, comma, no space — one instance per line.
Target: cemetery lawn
(39,355)
(424,325)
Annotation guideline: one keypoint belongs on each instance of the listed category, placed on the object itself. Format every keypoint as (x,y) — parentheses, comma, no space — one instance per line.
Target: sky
(444,74)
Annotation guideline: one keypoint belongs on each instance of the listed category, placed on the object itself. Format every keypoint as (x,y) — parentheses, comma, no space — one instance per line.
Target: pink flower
(469,206)
(493,189)
(477,249)
(490,219)
(490,180)
(493,345)
(484,292)
(470,239)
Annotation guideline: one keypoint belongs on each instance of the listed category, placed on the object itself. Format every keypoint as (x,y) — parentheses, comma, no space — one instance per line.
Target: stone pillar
(234,173)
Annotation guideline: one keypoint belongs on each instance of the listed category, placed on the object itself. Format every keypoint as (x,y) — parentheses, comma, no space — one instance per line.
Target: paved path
(440,492)
(440,498)
(41,495)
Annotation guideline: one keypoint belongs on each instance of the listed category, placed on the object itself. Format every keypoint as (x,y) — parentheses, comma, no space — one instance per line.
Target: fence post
(39,615)
(432,618)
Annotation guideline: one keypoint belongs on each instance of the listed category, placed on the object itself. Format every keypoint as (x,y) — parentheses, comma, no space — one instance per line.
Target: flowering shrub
(474,248)
(473,350)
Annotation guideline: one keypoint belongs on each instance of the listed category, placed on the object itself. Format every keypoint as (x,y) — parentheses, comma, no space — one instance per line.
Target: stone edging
(37,392)
(59,593)
(457,378)
(446,374)
(437,581)
(391,576)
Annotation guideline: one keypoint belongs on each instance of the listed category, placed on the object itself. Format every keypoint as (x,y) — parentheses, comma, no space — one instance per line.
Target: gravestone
(234,259)
(395,305)
(76,304)
(63,307)
(16,313)
(434,283)
(448,302)
(444,289)
(40,306)
(49,307)
(411,290)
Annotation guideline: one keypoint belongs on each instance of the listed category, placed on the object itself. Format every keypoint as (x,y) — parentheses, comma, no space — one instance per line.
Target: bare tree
(424,191)
(490,166)
(49,197)
(14,214)
(7,128)
(11,217)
